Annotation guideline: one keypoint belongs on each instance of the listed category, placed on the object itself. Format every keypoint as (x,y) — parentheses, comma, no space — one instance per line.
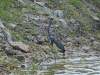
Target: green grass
(75,3)
(95,1)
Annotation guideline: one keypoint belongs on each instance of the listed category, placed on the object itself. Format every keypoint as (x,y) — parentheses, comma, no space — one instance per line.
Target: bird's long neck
(49,28)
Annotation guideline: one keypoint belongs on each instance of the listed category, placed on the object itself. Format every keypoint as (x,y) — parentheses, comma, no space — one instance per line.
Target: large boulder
(18,45)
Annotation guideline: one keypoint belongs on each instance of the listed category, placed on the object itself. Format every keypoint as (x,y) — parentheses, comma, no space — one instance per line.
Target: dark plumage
(53,39)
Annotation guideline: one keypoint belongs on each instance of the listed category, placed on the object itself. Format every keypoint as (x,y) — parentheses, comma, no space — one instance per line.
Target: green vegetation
(75,3)
(4,9)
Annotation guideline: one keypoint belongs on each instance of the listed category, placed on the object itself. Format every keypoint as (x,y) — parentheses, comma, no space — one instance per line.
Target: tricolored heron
(53,39)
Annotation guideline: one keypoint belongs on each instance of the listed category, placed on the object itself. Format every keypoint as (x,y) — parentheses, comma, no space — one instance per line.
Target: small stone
(40,3)
(86,51)
(13,25)
(6,34)
(9,51)
(92,39)
(68,39)
(1,25)
(69,43)
(1,44)
(94,16)
(41,40)
(21,1)
(56,26)
(95,43)
(30,38)
(5,45)
(63,23)
(58,13)
(72,21)
(86,48)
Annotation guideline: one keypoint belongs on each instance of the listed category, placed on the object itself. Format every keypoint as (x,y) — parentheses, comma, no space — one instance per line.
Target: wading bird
(53,39)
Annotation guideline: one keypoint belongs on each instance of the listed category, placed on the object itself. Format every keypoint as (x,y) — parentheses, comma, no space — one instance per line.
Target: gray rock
(95,43)
(94,16)
(13,25)
(69,43)
(63,23)
(1,44)
(9,51)
(40,40)
(6,34)
(58,13)
(86,48)
(76,29)
(4,46)
(72,21)
(1,25)
(39,36)
(92,39)
(30,38)
(21,1)
(68,39)
(18,45)
(40,3)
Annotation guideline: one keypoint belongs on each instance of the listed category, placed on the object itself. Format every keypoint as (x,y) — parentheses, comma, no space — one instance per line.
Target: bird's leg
(53,50)
(55,58)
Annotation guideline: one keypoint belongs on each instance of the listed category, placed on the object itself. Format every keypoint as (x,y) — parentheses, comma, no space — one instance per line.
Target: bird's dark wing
(59,45)
(57,42)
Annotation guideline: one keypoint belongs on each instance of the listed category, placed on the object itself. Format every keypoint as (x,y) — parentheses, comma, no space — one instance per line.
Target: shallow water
(77,66)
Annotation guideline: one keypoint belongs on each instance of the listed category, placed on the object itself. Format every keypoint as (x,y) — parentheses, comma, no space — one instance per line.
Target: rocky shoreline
(37,48)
